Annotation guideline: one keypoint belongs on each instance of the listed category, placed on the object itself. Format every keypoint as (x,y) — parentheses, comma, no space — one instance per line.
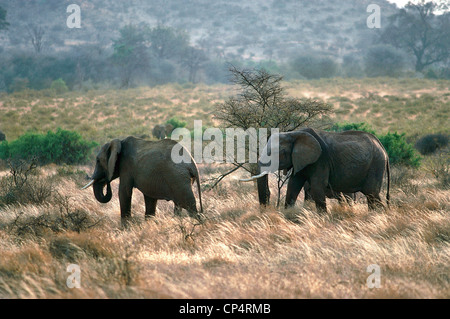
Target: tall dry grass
(238,252)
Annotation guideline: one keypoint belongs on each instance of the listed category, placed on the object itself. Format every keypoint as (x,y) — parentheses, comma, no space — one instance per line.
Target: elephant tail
(199,193)
(195,174)
(388,197)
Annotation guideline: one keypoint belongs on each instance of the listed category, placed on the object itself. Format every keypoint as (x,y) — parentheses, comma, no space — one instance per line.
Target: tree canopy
(421,30)
(262,103)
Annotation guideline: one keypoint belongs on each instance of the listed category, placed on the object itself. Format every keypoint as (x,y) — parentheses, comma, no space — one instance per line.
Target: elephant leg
(318,196)
(125,195)
(307,191)
(187,201)
(374,201)
(150,206)
(294,187)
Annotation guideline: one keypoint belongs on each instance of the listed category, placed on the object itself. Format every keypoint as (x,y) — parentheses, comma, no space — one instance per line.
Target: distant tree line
(415,40)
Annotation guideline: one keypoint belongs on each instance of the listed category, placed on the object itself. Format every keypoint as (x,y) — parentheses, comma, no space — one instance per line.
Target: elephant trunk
(98,192)
(262,180)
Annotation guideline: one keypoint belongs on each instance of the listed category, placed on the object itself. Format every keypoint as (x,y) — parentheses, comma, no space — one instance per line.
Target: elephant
(341,162)
(147,166)
(348,198)
(169,129)
(161,131)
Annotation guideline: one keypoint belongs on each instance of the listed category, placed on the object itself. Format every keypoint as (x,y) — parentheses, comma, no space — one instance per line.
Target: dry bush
(404,178)
(22,188)
(430,143)
(57,218)
(439,166)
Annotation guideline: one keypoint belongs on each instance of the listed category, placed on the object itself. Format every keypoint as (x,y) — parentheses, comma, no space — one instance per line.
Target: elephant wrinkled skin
(147,166)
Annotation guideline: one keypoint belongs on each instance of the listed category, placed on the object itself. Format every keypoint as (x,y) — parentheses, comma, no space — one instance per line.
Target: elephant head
(105,169)
(162,131)
(284,151)
(159,132)
(169,129)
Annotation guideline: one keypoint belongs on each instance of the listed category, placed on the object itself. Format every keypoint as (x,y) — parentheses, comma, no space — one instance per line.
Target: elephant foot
(375,203)
(321,209)
(126,222)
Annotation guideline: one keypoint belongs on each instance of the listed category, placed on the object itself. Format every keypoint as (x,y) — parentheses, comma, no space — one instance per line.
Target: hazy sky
(399,3)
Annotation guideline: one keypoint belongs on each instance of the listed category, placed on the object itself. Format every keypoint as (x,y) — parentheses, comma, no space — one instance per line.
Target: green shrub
(23,185)
(399,150)
(60,147)
(176,123)
(59,86)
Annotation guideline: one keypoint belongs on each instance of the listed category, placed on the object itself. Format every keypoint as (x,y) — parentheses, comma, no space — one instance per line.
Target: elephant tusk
(89,184)
(253,178)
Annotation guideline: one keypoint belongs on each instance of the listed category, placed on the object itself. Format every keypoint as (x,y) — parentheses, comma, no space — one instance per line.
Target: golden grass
(385,103)
(239,252)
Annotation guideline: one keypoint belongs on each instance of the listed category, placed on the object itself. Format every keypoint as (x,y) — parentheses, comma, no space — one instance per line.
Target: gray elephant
(348,198)
(344,162)
(147,166)
(161,131)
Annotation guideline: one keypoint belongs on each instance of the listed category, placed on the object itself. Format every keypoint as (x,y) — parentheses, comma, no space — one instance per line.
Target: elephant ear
(115,147)
(305,151)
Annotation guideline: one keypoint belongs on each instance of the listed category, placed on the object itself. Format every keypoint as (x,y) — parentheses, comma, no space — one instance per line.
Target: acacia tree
(263,103)
(419,30)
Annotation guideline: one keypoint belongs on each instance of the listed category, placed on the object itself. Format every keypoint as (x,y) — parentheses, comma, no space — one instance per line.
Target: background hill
(266,29)
(157,42)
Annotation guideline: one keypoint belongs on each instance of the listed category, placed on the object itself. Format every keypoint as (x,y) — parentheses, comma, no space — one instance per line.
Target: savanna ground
(239,251)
